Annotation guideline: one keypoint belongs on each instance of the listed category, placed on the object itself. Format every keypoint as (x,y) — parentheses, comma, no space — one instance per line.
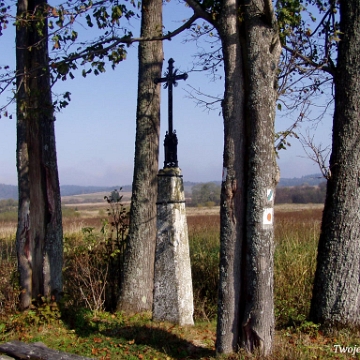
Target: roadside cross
(170,142)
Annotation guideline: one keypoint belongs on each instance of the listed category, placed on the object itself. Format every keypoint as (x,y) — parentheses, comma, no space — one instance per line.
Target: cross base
(170,146)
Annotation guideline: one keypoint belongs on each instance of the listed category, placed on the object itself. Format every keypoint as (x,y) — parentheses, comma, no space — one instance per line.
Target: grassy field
(81,326)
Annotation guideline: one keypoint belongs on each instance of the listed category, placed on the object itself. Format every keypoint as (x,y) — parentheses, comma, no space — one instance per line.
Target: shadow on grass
(163,341)
(142,336)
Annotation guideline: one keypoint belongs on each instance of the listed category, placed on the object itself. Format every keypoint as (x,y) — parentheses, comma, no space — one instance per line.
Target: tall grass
(204,239)
(296,239)
(296,236)
(9,291)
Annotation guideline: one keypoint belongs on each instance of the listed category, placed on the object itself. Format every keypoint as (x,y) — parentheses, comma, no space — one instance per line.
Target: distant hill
(68,190)
(311,180)
(11,191)
(8,192)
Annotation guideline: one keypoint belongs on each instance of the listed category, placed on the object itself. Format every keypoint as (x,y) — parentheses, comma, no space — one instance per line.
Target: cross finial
(170,142)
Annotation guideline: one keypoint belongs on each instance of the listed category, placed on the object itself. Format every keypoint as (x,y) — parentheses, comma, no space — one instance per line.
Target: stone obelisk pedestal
(173,294)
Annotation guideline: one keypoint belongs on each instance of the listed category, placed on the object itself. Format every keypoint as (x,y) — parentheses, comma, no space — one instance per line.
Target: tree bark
(39,232)
(336,292)
(232,205)
(251,55)
(138,272)
(262,56)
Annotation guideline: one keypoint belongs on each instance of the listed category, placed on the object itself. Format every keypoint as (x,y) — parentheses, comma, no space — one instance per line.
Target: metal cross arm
(170,142)
(170,80)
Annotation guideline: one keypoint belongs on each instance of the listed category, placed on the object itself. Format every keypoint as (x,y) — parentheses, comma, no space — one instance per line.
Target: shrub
(301,194)
(85,271)
(93,260)
(9,288)
(205,194)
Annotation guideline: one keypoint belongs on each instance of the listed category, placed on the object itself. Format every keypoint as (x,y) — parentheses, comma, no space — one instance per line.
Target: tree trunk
(138,273)
(336,292)
(246,308)
(263,51)
(232,205)
(39,232)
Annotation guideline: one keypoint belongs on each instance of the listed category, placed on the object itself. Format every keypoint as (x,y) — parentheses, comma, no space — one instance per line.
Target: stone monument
(173,294)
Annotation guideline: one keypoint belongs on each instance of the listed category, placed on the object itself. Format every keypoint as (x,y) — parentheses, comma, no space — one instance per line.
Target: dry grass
(297,207)
(111,336)
(7,229)
(296,238)
(202,211)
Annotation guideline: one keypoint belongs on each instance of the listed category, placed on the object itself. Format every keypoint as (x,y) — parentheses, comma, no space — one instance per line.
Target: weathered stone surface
(173,295)
(170,186)
(34,351)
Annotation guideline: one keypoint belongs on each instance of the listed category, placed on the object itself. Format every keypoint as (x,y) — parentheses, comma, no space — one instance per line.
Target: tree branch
(200,11)
(127,40)
(317,154)
(297,54)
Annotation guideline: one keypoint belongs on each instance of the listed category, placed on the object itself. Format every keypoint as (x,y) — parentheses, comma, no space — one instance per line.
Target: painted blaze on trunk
(263,51)
(39,232)
(251,49)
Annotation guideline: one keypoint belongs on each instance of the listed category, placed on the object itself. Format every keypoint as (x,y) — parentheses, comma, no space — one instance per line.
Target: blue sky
(95,134)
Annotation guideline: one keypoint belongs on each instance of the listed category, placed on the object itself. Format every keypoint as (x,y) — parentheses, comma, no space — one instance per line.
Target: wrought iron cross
(170,142)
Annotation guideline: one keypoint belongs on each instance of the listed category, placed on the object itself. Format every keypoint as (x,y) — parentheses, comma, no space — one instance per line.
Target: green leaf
(74,35)
(88,20)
